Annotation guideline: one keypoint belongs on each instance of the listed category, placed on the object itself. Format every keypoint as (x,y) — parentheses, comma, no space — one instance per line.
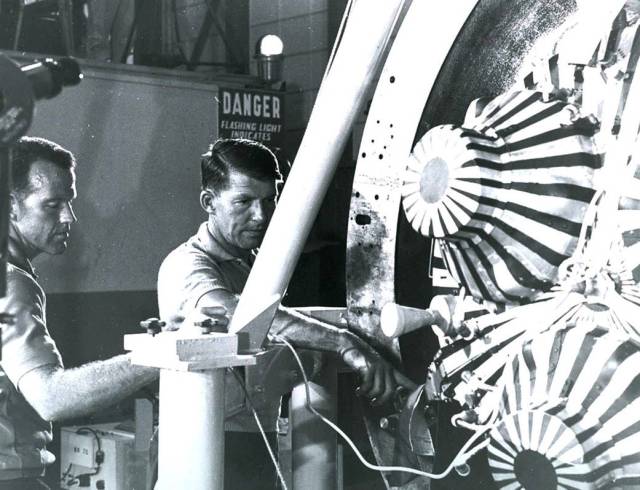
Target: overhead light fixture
(269,58)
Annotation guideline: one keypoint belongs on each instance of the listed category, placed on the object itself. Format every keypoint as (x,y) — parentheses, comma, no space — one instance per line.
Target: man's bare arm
(57,393)
(378,379)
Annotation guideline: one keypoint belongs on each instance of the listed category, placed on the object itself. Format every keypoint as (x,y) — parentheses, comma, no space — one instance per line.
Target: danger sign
(252,114)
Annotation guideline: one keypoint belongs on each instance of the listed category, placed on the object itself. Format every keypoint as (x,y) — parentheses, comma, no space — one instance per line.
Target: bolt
(209,325)
(153,326)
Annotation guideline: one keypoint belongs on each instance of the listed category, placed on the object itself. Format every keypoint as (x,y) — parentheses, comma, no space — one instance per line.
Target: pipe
(191,438)
(337,106)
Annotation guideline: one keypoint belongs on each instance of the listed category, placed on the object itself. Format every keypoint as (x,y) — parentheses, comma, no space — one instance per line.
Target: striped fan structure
(569,414)
(535,205)
(505,194)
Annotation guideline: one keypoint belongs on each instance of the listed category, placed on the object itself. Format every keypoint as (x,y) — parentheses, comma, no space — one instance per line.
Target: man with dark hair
(245,156)
(35,388)
(31,149)
(239,179)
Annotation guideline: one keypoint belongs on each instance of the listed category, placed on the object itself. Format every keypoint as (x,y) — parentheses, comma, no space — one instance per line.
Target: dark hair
(27,150)
(242,155)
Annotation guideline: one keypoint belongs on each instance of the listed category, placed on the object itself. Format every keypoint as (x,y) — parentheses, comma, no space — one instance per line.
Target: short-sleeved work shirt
(193,269)
(26,345)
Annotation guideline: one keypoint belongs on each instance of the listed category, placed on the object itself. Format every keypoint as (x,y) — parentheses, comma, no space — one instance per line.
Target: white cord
(460,458)
(260,428)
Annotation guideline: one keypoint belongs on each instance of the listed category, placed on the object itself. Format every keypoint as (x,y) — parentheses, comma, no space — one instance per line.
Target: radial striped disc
(507,196)
(536,450)
(441,176)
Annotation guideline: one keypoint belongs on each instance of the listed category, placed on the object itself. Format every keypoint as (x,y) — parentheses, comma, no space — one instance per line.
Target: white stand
(191,437)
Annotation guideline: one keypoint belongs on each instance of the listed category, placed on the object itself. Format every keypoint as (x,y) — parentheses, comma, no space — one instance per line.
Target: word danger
(251,105)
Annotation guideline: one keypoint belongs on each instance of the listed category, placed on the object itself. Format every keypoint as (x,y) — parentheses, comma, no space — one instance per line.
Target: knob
(153,326)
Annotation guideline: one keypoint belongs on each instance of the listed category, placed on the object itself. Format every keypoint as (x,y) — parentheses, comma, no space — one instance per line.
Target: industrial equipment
(115,455)
(100,456)
(532,202)
(522,187)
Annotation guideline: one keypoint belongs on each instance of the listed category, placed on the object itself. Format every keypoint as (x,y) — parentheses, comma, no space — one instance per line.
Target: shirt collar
(18,258)
(211,246)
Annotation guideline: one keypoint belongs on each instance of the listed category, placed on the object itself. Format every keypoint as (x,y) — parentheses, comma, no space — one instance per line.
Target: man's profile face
(42,213)
(242,211)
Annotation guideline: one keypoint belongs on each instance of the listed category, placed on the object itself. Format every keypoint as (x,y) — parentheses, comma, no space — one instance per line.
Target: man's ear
(207,201)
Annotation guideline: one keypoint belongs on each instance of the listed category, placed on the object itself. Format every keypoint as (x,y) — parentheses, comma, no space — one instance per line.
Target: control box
(101,457)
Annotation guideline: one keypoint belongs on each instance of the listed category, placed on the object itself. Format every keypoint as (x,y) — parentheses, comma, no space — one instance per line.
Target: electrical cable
(67,473)
(83,430)
(274,460)
(461,458)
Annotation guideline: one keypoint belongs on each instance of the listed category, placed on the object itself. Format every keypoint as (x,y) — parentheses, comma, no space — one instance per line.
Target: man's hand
(378,379)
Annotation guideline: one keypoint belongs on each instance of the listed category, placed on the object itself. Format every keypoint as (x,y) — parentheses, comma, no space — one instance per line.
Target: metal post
(313,443)
(191,438)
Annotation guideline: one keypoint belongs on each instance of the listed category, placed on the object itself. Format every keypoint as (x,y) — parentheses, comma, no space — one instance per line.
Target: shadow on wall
(138,140)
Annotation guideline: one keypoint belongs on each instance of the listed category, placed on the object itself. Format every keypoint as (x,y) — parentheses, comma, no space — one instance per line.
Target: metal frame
(401,94)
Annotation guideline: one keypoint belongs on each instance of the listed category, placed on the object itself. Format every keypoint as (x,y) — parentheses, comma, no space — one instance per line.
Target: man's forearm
(309,333)
(302,330)
(64,393)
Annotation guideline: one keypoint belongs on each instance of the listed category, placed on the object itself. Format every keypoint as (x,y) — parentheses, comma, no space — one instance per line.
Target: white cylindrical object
(396,320)
(340,99)
(191,435)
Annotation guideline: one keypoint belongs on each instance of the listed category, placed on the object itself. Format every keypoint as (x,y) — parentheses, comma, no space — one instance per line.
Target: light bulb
(270,45)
